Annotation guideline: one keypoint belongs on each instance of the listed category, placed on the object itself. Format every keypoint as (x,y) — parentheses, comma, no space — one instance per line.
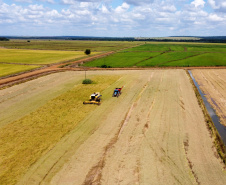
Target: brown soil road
(154,133)
(213,84)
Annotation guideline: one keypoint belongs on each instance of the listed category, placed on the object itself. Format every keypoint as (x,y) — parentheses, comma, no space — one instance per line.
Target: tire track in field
(158,65)
(23,64)
(150,58)
(95,174)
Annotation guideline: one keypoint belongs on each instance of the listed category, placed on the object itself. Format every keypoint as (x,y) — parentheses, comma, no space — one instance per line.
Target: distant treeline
(3,39)
(211,39)
(216,39)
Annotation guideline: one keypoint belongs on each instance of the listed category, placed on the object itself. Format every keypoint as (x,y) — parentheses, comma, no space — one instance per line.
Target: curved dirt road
(154,133)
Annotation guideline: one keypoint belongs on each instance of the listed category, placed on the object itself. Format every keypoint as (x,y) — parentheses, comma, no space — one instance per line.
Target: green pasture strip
(180,47)
(69,45)
(176,47)
(206,59)
(37,56)
(9,69)
(24,141)
(151,47)
(122,59)
(207,48)
(166,57)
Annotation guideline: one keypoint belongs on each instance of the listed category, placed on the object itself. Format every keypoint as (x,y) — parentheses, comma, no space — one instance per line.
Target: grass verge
(24,141)
(210,125)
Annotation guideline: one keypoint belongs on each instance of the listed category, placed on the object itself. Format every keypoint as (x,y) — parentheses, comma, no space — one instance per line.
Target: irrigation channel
(220,128)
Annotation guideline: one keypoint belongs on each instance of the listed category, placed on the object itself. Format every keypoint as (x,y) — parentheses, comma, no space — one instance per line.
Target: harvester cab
(94,99)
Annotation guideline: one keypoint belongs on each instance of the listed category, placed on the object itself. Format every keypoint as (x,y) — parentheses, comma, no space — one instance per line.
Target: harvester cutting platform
(94,99)
(117,92)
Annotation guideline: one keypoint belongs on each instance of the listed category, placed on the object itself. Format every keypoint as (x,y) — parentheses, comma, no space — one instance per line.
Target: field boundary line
(179,59)
(23,64)
(150,58)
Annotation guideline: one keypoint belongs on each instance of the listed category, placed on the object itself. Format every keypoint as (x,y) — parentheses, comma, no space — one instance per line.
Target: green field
(68,45)
(166,55)
(123,59)
(156,46)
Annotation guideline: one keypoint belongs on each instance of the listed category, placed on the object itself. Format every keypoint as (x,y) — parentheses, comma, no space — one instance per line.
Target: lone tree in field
(87,51)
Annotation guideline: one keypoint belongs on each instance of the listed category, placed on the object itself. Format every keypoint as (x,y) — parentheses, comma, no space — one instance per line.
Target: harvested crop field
(154,133)
(213,84)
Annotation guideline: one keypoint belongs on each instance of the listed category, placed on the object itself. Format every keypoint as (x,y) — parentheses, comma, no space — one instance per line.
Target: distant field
(166,55)
(43,52)
(68,45)
(37,56)
(127,59)
(8,69)
(9,58)
(206,59)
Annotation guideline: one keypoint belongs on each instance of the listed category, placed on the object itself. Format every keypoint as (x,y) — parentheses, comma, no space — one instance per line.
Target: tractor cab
(117,92)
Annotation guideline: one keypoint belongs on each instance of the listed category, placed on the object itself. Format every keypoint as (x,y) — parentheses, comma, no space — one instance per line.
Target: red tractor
(117,92)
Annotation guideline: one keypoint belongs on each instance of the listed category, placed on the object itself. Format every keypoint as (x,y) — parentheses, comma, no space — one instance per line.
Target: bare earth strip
(213,84)
(154,133)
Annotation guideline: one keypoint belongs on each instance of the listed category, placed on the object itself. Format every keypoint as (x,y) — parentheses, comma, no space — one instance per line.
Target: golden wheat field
(153,133)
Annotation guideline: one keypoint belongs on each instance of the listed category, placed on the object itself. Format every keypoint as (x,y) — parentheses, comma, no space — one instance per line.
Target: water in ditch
(220,128)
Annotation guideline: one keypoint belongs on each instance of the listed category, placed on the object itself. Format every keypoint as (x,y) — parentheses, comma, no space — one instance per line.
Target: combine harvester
(117,92)
(94,99)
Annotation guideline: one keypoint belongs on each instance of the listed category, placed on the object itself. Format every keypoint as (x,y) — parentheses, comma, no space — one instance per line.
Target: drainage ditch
(220,128)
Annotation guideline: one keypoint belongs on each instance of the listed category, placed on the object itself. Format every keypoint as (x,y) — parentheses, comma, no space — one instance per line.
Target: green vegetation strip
(122,59)
(210,125)
(165,58)
(24,141)
(204,59)
(9,69)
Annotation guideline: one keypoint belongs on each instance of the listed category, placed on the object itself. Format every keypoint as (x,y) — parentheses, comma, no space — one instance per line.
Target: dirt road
(213,84)
(154,133)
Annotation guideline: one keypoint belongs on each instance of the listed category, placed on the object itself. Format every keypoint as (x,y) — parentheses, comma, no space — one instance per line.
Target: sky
(113,18)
